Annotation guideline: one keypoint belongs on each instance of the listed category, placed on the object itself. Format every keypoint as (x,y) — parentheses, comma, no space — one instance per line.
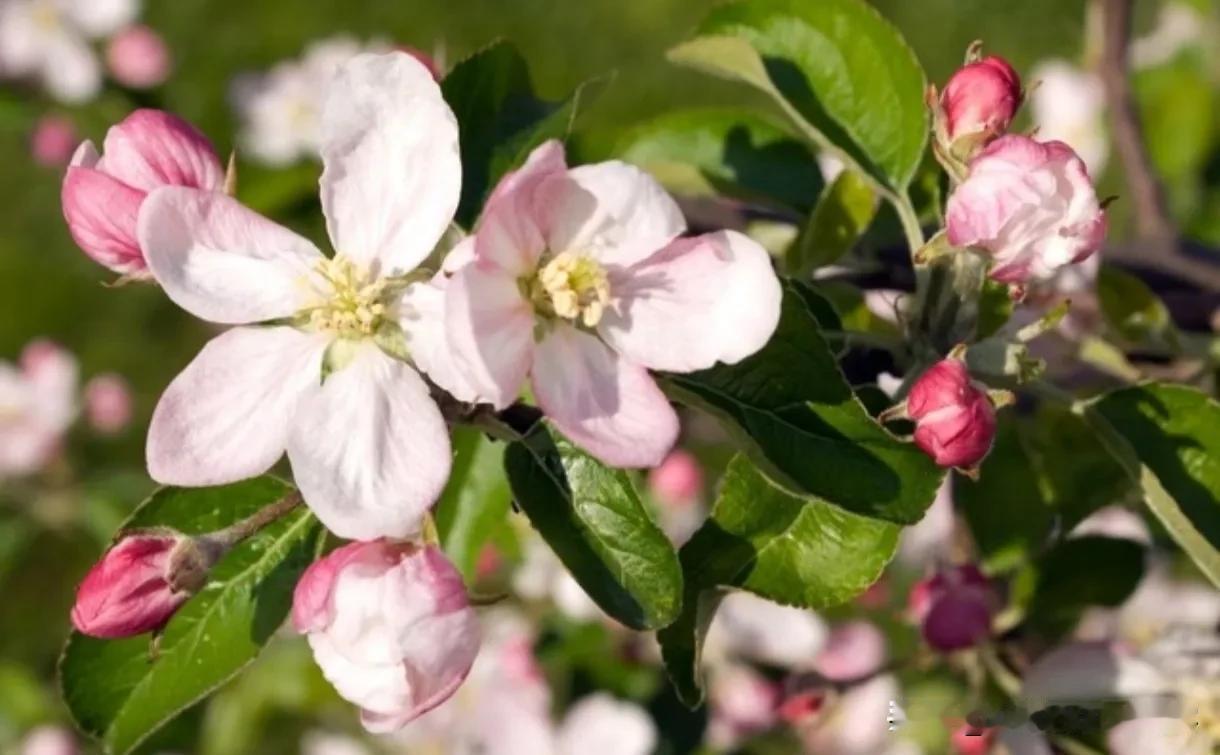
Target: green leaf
(843,213)
(1177,104)
(1004,509)
(593,519)
(734,152)
(794,550)
(995,308)
(1070,580)
(117,692)
(839,69)
(500,119)
(1133,310)
(476,499)
(797,417)
(1167,437)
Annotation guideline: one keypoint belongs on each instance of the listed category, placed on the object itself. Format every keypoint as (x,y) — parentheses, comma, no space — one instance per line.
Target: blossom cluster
(575,281)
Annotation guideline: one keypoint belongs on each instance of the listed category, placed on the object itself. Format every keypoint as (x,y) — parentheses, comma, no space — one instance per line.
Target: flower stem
(234,534)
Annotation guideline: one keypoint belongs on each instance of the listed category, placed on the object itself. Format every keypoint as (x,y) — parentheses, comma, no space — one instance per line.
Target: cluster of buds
(954,607)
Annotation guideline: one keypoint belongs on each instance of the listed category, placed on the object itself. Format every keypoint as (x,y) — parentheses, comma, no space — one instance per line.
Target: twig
(1152,219)
(234,534)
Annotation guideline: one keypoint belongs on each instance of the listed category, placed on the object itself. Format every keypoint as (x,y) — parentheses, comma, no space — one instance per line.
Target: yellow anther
(351,303)
(574,287)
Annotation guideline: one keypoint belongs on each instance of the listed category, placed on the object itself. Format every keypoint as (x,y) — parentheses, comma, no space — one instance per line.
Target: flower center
(572,286)
(354,307)
(45,16)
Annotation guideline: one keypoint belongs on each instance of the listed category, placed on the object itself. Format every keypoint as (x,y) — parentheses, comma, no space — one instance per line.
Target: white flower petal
(631,216)
(221,261)
(490,329)
(226,416)
(369,449)
(606,405)
(70,70)
(390,147)
(100,18)
(421,315)
(698,301)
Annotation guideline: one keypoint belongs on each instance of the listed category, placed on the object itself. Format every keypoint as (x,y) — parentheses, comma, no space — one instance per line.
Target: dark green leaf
(835,66)
(476,499)
(734,152)
(593,519)
(795,414)
(843,213)
(499,119)
(121,695)
(1167,437)
(1070,580)
(1133,310)
(794,550)
(995,308)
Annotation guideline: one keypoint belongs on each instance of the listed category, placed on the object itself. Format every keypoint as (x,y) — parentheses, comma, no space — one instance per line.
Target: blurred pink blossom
(138,57)
(853,650)
(108,403)
(53,141)
(678,480)
(742,702)
(37,405)
(49,740)
(955,607)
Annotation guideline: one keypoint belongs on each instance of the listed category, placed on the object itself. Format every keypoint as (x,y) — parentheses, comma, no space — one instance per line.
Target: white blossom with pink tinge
(1030,206)
(319,365)
(749,627)
(580,284)
(48,40)
(37,405)
(598,724)
(391,627)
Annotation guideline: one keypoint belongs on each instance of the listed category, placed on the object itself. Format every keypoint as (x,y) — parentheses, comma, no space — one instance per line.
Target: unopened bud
(954,607)
(954,418)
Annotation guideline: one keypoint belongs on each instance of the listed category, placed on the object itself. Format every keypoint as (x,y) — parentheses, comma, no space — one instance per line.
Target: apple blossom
(391,627)
(742,702)
(138,57)
(980,100)
(954,418)
(1158,736)
(852,723)
(598,724)
(319,367)
(49,740)
(281,110)
(932,535)
(955,608)
(102,194)
(139,584)
(53,141)
(37,405)
(107,403)
(1069,105)
(1030,206)
(48,40)
(753,628)
(853,650)
(580,282)
(677,481)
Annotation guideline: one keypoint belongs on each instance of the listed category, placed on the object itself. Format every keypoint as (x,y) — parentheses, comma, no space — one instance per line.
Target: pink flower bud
(981,99)
(955,608)
(138,57)
(968,740)
(853,651)
(954,418)
(677,481)
(802,706)
(108,403)
(53,140)
(137,586)
(49,740)
(391,627)
(1030,205)
(102,194)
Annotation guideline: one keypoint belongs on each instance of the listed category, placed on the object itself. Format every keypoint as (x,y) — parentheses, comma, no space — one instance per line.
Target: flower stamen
(355,305)
(572,286)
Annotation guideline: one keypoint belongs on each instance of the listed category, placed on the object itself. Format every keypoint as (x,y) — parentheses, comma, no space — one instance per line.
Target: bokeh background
(52,528)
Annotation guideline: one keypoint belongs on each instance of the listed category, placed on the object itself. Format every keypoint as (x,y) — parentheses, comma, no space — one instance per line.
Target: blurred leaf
(792,410)
(995,308)
(798,551)
(842,214)
(475,501)
(24,700)
(1177,105)
(1004,509)
(836,66)
(734,152)
(275,191)
(592,518)
(1132,309)
(1083,572)
(1167,437)
(500,119)
(117,692)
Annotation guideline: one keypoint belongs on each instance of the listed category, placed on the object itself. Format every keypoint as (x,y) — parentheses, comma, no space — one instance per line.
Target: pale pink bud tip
(53,141)
(391,627)
(677,481)
(49,740)
(108,403)
(981,98)
(138,57)
(955,608)
(954,418)
(128,592)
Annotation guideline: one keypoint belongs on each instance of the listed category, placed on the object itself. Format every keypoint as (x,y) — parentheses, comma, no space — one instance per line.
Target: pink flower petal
(605,404)
(490,329)
(152,148)
(101,213)
(512,230)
